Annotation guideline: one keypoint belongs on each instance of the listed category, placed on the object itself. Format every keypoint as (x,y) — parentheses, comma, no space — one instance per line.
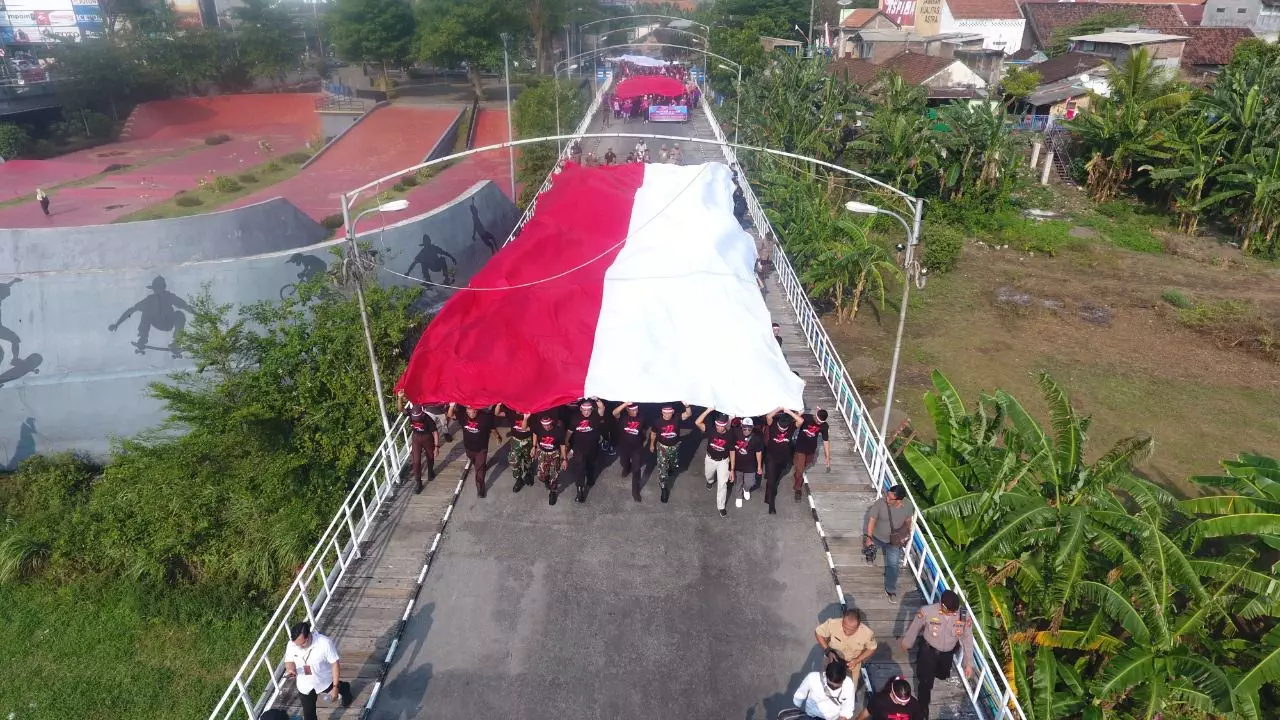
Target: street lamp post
(913,238)
(353,256)
(737,104)
(506,74)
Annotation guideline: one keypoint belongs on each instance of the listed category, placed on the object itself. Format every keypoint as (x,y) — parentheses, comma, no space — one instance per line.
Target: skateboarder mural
(480,232)
(432,258)
(161,310)
(18,366)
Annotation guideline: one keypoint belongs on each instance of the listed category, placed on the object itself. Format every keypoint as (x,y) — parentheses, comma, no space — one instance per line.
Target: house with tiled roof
(1044,19)
(854,22)
(1207,49)
(1066,83)
(999,22)
(943,78)
(1192,10)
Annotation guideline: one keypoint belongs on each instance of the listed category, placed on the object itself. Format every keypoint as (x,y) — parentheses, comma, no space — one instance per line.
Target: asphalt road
(613,609)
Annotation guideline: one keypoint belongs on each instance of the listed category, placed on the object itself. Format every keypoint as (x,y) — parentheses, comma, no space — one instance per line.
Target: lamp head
(393,206)
(861,208)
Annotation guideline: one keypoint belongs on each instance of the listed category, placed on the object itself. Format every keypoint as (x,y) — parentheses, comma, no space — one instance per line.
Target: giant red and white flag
(631,282)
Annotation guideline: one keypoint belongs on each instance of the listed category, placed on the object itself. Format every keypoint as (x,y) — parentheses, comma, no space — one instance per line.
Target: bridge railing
(989,691)
(260,679)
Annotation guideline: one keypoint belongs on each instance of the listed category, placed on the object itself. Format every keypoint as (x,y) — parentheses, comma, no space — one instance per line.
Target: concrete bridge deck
(613,608)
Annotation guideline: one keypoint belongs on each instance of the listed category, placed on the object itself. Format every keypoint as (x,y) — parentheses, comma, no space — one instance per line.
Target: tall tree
(378,31)
(270,41)
(454,32)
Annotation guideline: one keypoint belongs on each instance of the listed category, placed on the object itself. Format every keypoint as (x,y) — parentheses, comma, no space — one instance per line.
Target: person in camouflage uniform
(520,456)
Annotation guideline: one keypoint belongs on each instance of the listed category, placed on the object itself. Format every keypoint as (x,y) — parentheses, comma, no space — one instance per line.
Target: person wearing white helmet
(748,457)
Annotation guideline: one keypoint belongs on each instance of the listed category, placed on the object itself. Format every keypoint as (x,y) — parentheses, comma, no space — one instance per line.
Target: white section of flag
(682,317)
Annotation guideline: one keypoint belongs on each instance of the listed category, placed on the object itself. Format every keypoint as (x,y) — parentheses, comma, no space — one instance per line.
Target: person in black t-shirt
(548,440)
(894,702)
(477,425)
(584,444)
(424,440)
(630,433)
(748,456)
(664,440)
(812,426)
(780,425)
(718,464)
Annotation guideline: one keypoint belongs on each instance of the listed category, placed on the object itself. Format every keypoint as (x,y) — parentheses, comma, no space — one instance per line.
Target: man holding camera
(889,530)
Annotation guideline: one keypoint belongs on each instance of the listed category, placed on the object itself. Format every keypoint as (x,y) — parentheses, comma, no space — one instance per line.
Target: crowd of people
(627,109)
(567,446)
(940,631)
(639,154)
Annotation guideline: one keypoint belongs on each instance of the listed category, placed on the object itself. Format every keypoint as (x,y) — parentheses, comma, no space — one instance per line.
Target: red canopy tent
(635,86)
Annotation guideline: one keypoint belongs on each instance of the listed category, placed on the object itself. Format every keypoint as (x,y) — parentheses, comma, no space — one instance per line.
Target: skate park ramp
(388,139)
(88,315)
(230,114)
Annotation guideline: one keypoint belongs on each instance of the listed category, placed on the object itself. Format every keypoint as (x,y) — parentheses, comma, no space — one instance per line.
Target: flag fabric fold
(631,282)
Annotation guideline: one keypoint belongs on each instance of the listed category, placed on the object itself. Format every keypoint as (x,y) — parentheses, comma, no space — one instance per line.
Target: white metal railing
(583,126)
(259,681)
(990,691)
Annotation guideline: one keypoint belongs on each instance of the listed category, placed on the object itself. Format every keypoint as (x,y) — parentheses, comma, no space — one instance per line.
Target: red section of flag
(529,347)
(634,87)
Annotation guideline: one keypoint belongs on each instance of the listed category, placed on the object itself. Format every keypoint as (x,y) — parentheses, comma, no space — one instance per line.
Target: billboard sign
(902,12)
(668,113)
(88,18)
(42,18)
(37,34)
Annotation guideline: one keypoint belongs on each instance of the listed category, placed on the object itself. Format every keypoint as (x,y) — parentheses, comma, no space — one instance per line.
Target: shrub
(45,148)
(398,187)
(942,247)
(14,141)
(1214,315)
(188,200)
(297,158)
(224,184)
(247,178)
(116,167)
(274,166)
(217,139)
(1175,298)
(409,180)
(427,173)
(332,222)
(98,126)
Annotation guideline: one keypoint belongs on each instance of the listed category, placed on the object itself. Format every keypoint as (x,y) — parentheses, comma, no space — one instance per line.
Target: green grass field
(118,651)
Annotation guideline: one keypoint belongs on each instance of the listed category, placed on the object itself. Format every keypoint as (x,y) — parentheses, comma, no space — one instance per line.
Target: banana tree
(1196,160)
(848,268)
(1129,125)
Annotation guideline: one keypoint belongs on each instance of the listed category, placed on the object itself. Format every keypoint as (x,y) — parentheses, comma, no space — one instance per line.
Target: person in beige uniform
(848,640)
(945,630)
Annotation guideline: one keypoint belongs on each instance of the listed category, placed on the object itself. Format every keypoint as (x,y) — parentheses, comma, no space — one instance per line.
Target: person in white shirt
(827,698)
(312,659)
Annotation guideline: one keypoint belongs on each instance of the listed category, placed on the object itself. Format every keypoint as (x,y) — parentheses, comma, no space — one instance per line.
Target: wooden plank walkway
(370,602)
(842,499)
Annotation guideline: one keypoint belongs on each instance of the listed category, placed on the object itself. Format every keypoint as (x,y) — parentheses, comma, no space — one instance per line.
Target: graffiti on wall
(161,310)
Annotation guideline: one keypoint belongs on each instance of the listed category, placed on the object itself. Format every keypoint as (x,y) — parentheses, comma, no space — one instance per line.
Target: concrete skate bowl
(88,315)
(230,114)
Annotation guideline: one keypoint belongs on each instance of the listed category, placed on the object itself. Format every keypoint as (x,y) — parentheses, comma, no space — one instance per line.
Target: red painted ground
(22,177)
(389,139)
(124,192)
(491,128)
(165,140)
(230,114)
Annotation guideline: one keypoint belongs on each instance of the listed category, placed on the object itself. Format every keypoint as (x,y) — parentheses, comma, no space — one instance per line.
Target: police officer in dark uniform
(944,632)
(424,442)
